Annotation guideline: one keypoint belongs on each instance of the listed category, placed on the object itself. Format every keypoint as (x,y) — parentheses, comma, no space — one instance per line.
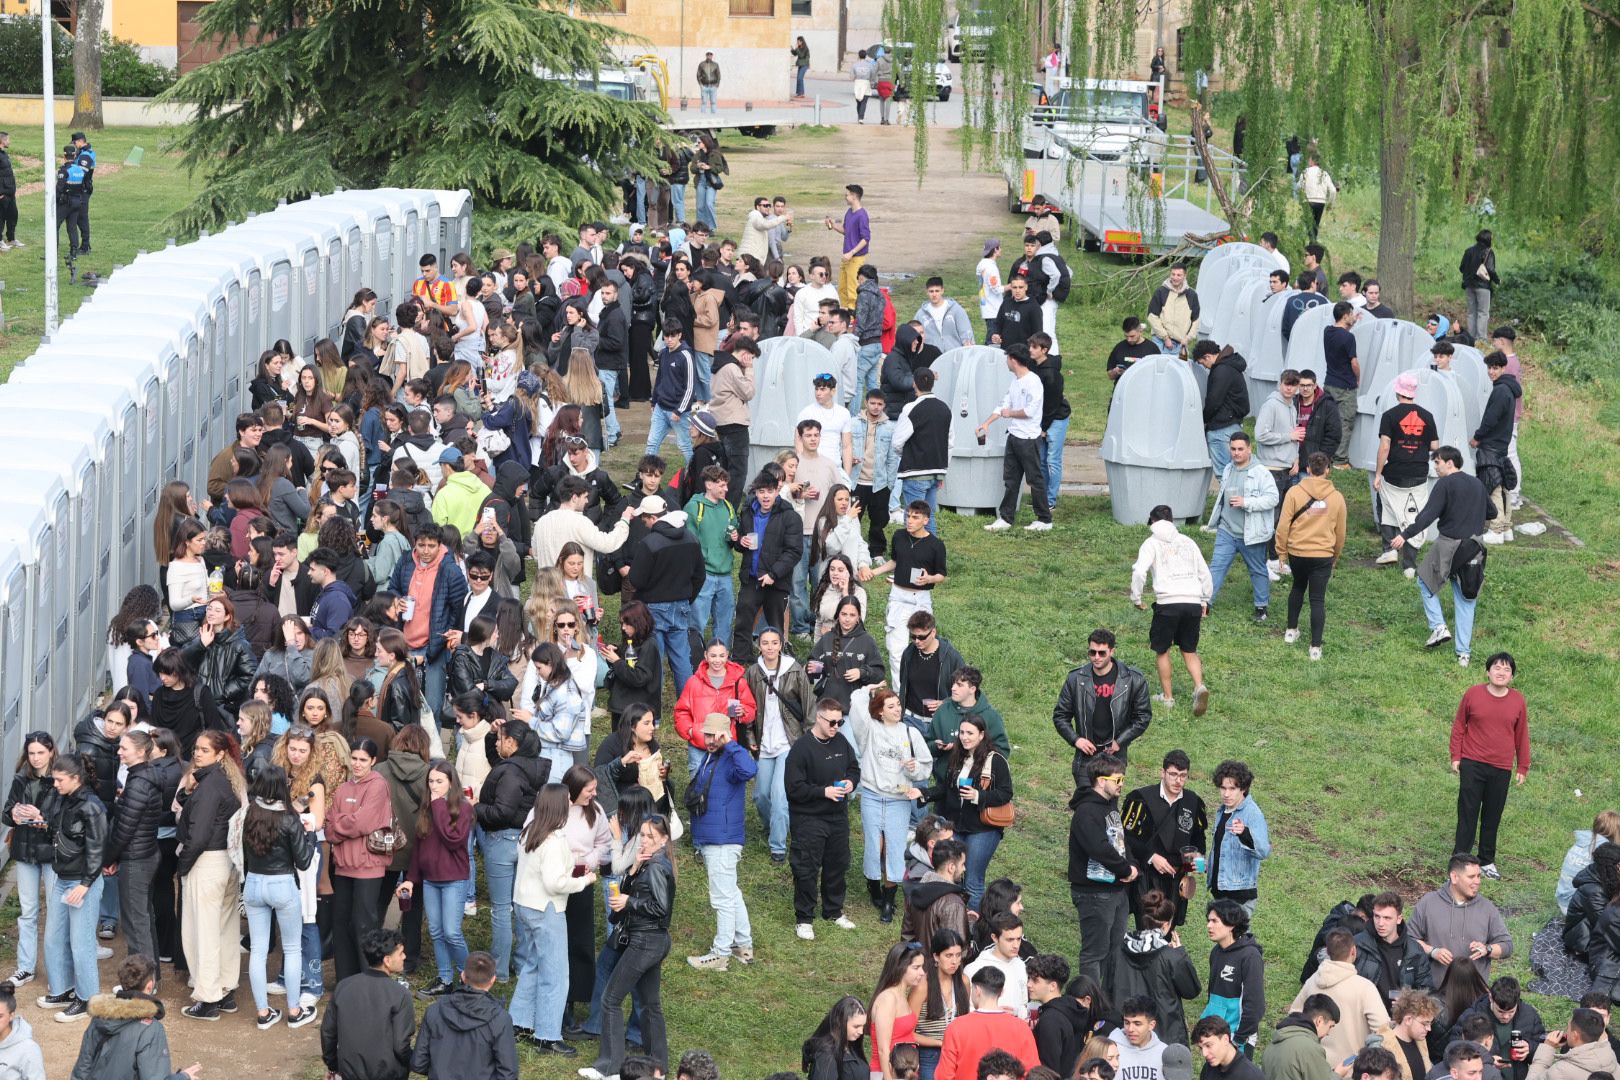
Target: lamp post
(48,97)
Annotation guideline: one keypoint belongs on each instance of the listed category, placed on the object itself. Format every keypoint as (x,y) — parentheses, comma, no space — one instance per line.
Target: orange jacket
(699,698)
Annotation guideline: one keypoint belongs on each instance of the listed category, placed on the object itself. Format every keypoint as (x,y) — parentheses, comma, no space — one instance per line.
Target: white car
(901,53)
(1106,119)
(968,35)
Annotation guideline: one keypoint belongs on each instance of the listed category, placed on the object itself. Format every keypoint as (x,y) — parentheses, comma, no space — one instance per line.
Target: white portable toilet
(426,202)
(373,213)
(242,275)
(1224,329)
(1437,391)
(973,380)
(1219,266)
(1305,342)
(1153,446)
(1475,380)
(1267,353)
(134,283)
(782,389)
(295,280)
(455,222)
(27,565)
(1385,347)
(14,696)
(330,232)
(40,522)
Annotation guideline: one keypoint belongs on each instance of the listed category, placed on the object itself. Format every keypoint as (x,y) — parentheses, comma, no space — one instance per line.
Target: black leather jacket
(227,668)
(89,740)
(290,850)
(79,831)
(29,843)
(137,815)
(1129,714)
(508,793)
(400,704)
(493,669)
(205,816)
(1584,909)
(650,894)
(166,775)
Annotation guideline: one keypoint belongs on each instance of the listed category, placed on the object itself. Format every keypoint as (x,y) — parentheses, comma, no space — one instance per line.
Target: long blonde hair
(549,589)
(328,671)
(581,384)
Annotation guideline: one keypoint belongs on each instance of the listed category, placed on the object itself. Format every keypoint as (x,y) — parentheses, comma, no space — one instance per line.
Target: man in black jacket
(612,356)
(1061,1024)
(666,570)
(1320,427)
(1387,955)
(8,196)
(366,1032)
(1162,821)
(1226,399)
(770,536)
(1479,280)
(1100,868)
(1458,506)
(467,1034)
(1055,410)
(1019,317)
(1102,708)
(820,775)
(1490,442)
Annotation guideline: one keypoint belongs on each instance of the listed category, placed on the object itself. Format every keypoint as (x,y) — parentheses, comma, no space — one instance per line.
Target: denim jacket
(1240,864)
(888,458)
(1254,521)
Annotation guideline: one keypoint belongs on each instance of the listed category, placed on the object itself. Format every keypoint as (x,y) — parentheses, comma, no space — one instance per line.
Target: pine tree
(421,93)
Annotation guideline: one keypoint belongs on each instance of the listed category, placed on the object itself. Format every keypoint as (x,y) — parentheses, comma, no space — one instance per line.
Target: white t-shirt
(989,287)
(807,305)
(1024,395)
(1015,995)
(834,422)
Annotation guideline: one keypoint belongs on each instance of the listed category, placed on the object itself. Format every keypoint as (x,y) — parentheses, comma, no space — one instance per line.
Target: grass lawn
(1349,753)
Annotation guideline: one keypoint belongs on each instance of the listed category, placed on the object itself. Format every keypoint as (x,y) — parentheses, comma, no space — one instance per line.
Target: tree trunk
(1397,227)
(87,64)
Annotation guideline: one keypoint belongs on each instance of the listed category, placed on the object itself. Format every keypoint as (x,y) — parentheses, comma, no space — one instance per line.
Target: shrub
(1539,296)
(1590,335)
(20,54)
(125,73)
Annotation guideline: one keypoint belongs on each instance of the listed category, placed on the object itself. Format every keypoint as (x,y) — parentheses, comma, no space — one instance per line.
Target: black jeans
(1025,460)
(580,917)
(639,969)
(8,218)
(1312,574)
(354,914)
(875,509)
(165,903)
(410,922)
(1103,915)
(1284,481)
(1482,792)
(136,909)
(734,440)
(640,375)
(751,597)
(818,847)
(77,219)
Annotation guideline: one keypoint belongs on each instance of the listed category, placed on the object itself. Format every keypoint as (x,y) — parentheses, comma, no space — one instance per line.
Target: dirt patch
(37,187)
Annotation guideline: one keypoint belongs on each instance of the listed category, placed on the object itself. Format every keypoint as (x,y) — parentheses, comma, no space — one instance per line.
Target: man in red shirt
(1490,732)
(987,1028)
(435,293)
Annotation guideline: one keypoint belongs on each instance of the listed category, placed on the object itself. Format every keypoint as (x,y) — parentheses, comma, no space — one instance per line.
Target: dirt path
(39,186)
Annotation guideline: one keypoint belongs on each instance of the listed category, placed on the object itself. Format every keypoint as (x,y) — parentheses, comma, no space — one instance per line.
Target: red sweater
(1491,730)
(968,1038)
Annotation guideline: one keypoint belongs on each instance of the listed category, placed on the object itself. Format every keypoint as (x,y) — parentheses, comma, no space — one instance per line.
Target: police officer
(85,156)
(71,201)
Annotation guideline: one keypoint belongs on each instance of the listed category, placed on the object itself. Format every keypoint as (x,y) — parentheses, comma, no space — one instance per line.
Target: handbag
(996,817)
(386,840)
(885,89)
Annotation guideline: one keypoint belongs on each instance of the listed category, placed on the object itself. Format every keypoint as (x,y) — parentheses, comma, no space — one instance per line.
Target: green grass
(126,216)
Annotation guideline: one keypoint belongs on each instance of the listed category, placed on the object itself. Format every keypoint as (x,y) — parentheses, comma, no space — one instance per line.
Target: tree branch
(1612,19)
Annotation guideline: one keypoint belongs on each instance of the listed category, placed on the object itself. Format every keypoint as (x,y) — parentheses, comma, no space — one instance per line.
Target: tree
(87,41)
(432,93)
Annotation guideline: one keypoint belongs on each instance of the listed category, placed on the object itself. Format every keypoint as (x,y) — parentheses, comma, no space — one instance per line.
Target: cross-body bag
(997,817)
(697,802)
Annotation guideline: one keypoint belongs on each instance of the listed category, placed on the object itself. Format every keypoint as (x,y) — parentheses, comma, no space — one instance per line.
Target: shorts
(1175,624)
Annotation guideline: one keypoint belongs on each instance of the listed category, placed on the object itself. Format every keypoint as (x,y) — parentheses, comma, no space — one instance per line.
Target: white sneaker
(1272,573)
(1507,536)
(276,988)
(1316,652)
(1200,699)
(1532,528)
(589,1073)
(1038,526)
(843,923)
(1410,572)
(1290,636)
(805,931)
(1462,659)
(1516,501)
(710,961)
(4,246)
(18,244)
(1167,702)
(1207,529)
(1489,870)
(1493,537)
(103,953)
(308,1000)
(470,908)
(998,526)
(1439,636)
(1387,557)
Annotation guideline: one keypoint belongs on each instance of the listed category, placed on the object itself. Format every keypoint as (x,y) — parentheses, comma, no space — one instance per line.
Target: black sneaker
(1261,614)
(55,1001)
(76,1011)
(269,1020)
(201,1010)
(555,1046)
(20,978)
(435,989)
(778,857)
(227,1004)
(306,1015)
(107,931)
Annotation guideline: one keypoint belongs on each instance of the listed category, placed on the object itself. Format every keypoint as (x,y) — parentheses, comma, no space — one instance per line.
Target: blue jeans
(706,98)
(798,87)
(1227,549)
(705,205)
(694,759)
(313,979)
(981,847)
(677,202)
(500,871)
(664,422)
(109,901)
(799,620)
(731,926)
(716,602)
(868,360)
(1464,637)
(542,984)
(641,199)
(925,488)
(671,623)
(886,828)
(442,904)
(927,1061)
(704,371)
(770,800)
(70,941)
(1219,441)
(432,673)
(1054,458)
(606,960)
(610,418)
(31,878)
(267,897)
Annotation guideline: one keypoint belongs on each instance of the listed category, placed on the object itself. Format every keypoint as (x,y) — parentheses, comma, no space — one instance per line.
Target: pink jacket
(359,808)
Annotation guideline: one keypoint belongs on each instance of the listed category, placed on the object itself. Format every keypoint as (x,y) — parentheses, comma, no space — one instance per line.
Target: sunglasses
(834,723)
(475,576)
(1096,652)
(919,637)
(565,624)
(1114,777)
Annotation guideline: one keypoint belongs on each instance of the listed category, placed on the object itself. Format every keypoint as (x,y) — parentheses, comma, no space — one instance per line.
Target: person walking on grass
(1310,538)
(1026,451)
(1182,588)
(1457,507)
(1242,523)
(1490,732)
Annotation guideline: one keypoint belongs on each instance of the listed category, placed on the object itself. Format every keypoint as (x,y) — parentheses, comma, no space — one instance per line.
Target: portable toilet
(139,280)
(242,274)
(257,263)
(14,613)
(1437,391)
(782,389)
(27,565)
(1224,328)
(1267,353)
(1385,347)
(373,214)
(1475,380)
(426,202)
(1216,270)
(331,230)
(36,515)
(1153,446)
(295,280)
(1240,251)
(1305,341)
(455,222)
(973,380)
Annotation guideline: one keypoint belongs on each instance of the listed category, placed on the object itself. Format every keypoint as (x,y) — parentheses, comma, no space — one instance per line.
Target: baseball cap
(717,724)
(652,505)
(450,456)
(1176,1062)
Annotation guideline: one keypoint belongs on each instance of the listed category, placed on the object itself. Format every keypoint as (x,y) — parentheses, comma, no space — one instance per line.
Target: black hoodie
(668,565)
(1226,402)
(1098,861)
(1061,1030)
(897,370)
(1496,426)
(511,511)
(466,1035)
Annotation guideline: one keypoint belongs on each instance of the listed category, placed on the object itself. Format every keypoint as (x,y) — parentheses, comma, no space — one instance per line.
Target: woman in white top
(568,632)
(544,882)
(837,531)
(188,580)
(837,582)
(340,427)
(894,760)
(472,321)
(990,286)
(590,838)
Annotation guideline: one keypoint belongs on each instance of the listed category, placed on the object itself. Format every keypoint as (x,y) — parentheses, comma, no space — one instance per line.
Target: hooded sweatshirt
(1097,855)
(1274,445)
(20,1057)
(458,501)
(1295,1052)
(711,522)
(1313,520)
(1061,1030)
(1180,574)
(1156,969)
(1226,402)
(333,606)
(466,1033)
(1237,988)
(1139,1062)
(1361,1007)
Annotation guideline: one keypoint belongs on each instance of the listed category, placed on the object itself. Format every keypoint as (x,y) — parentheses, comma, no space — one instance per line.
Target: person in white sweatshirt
(545,879)
(1181,591)
(1141,1051)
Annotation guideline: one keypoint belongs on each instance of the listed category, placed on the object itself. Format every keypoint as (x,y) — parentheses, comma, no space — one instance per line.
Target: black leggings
(8,218)
(354,914)
(165,902)
(1311,573)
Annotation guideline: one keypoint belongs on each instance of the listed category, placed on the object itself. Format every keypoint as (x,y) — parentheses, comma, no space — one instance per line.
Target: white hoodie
(1146,1063)
(1180,574)
(20,1057)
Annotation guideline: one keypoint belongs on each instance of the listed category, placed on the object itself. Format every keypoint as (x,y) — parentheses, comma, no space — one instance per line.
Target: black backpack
(1060,291)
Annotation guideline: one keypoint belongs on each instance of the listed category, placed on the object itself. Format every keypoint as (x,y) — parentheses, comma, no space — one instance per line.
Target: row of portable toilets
(142,386)
(1154,447)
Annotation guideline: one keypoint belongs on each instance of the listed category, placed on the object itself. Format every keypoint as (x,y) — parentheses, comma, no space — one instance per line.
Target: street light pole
(48,98)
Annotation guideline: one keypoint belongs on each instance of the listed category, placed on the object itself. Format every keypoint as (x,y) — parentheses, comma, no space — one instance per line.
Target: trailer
(1123,203)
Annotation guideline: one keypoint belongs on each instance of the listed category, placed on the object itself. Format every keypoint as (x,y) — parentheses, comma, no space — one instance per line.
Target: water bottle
(216,581)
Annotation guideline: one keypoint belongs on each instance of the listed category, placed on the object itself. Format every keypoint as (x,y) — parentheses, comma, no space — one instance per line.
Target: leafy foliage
(125,73)
(1539,296)
(438,93)
(20,57)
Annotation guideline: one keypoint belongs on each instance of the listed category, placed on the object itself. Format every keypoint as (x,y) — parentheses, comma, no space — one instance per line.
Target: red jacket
(699,698)
(970,1037)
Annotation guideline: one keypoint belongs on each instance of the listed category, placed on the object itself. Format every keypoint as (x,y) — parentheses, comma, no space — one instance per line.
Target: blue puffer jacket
(449,597)
(731,769)
(1239,861)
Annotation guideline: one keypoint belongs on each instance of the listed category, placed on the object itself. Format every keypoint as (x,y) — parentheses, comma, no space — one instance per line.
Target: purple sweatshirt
(857,227)
(441,855)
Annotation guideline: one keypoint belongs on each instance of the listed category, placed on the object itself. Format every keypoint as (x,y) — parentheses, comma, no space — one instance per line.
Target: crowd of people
(377,648)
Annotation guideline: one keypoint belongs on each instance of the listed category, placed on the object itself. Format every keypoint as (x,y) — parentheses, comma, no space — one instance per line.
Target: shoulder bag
(997,817)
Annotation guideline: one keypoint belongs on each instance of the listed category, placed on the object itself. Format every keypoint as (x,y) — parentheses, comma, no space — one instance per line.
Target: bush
(20,56)
(125,73)
(1591,337)
(1539,297)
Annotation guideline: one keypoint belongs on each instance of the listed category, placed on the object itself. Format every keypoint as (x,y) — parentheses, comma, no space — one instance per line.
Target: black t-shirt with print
(1410,428)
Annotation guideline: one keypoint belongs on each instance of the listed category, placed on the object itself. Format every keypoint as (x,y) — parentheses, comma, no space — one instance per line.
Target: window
(801,7)
(753,7)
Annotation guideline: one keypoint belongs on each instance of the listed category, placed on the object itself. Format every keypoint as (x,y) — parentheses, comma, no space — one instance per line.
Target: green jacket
(1296,1053)
(942,729)
(458,501)
(710,522)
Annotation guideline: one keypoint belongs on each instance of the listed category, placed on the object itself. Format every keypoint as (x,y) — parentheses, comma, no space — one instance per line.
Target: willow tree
(1443,102)
(426,93)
